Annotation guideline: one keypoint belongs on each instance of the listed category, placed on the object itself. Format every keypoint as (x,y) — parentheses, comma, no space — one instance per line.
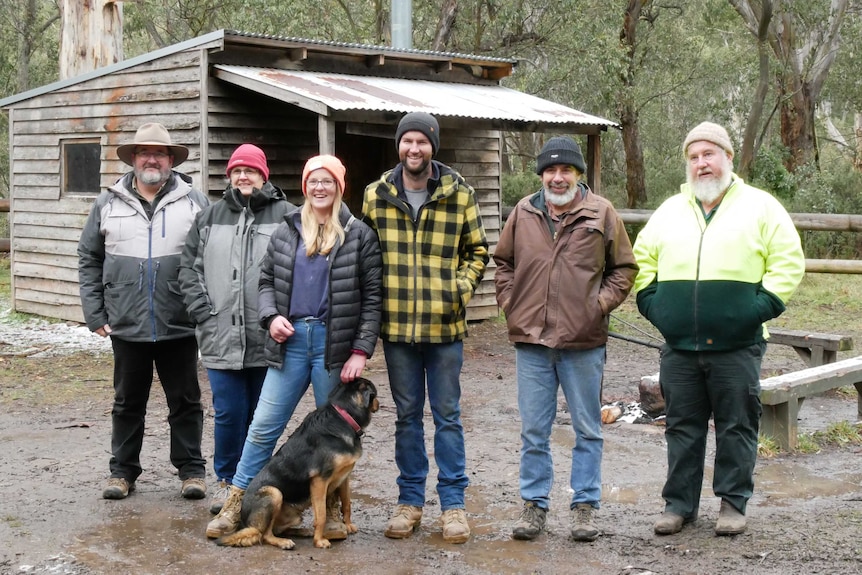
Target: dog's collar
(349,419)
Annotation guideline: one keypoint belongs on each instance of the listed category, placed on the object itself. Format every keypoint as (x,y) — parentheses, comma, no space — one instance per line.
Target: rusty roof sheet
(324,93)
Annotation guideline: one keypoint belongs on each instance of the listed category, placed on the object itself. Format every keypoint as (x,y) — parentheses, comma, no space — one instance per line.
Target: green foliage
(768,173)
(516,186)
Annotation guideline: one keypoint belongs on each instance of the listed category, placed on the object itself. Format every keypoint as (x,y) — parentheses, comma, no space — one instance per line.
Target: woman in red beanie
(219,277)
(320,299)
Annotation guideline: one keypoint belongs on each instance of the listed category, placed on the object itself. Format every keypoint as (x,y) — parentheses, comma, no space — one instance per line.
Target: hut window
(81,167)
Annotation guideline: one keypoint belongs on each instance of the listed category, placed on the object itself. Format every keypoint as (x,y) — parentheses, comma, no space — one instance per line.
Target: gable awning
(328,94)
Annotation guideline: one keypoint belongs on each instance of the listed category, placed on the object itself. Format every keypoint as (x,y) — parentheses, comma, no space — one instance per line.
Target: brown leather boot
(335,529)
(730,521)
(403,522)
(228,518)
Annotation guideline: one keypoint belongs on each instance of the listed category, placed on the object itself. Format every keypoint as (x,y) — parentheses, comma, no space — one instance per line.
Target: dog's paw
(280,542)
(352,528)
(322,543)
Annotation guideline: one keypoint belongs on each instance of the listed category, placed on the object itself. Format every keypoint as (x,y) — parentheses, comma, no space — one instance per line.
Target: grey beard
(711,191)
(560,199)
(150,178)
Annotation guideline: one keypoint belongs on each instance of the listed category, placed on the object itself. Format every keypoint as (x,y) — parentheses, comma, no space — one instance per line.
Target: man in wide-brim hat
(128,262)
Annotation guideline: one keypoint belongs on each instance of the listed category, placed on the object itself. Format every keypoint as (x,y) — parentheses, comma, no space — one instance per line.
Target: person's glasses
(248,172)
(158,156)
(327,184)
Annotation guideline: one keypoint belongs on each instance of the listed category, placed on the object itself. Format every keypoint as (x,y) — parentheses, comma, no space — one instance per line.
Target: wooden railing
(803,222)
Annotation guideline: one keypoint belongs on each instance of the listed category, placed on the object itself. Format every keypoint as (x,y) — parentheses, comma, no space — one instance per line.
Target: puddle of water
(786,481)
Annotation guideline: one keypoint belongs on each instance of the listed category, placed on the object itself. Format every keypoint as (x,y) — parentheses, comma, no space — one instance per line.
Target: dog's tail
(247,537)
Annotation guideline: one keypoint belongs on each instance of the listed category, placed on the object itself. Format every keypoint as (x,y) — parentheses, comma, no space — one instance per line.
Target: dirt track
(806,515)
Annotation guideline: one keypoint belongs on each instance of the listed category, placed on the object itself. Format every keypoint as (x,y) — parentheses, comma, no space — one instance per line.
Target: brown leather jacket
(557,289)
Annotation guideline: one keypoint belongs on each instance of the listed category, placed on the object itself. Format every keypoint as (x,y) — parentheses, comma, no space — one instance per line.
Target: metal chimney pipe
(402,24)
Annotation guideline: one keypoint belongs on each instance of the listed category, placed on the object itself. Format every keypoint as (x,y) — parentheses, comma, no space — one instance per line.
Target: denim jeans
(282,390)
(176,362)
(726,386)
(408,366)
(235,395)
(541,372)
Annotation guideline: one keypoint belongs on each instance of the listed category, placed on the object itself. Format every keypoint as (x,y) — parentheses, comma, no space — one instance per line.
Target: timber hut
(292,97)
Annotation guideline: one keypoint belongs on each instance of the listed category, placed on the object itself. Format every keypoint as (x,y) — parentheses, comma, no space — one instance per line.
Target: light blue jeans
(408,366)
(541,372)
(282,390)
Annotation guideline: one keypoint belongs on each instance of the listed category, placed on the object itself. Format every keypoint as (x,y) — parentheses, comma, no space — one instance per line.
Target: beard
(710,191)
(152,176)
(418,171)
(563,199)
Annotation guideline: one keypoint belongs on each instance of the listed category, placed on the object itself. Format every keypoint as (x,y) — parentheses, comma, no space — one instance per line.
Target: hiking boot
(219,497)
(194,488)
(117,488)
(455,527)
(582,523)
(228,518)
(669,523)
(730,521)
(335,528)
(403,522)
(530,523)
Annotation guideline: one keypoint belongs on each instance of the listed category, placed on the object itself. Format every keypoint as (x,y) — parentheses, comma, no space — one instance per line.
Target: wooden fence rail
(803,222)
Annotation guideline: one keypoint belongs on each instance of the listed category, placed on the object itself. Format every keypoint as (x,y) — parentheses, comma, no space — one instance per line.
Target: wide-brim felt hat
(152,134)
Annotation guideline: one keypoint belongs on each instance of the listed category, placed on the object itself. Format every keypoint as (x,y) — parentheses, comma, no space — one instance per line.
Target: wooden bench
(814,348)
(782,396)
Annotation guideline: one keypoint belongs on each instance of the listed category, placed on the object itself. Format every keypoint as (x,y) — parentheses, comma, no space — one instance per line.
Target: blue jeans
(235,394)
(282,390)
(541,372)
(408,365)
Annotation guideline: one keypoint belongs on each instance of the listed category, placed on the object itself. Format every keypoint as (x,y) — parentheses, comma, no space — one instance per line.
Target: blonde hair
(321,238)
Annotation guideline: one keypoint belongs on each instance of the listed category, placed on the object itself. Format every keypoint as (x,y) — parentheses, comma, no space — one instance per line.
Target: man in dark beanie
(564,262)
(434,255)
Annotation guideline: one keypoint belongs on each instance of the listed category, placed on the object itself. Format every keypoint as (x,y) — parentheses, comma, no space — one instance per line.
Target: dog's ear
(369,392)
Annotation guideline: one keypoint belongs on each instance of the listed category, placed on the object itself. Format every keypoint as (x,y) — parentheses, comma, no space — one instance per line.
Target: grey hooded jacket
(128,263)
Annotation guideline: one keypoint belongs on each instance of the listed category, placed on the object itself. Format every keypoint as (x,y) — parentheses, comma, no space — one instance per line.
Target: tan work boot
(335,528)
(669,523)
(194,488)
(117,488)
(730,521)
(228,518)
(455,527)
(403,522)
(583,528)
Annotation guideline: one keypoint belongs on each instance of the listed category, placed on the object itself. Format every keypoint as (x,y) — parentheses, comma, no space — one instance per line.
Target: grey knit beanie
(561,150)
(708,132)
(423,122)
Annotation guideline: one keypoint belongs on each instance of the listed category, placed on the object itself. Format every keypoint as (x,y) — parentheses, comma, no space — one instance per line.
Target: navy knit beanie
(561,150)
(423,122)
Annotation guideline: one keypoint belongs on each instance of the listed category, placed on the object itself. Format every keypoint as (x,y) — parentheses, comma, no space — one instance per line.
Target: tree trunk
(91,37)
(444,25)
(857,124)
(797,123)
(750,143)
(635,180)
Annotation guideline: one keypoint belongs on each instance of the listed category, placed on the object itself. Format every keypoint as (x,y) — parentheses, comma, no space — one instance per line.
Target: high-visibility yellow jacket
(710,286)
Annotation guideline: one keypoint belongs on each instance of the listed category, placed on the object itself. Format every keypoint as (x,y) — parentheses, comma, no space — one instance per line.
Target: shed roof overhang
(340,96)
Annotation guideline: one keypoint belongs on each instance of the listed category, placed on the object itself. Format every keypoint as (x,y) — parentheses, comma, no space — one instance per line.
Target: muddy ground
(805,517)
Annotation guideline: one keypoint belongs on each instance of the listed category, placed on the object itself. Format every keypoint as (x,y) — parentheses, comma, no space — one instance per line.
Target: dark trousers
(726,386)
(176,362)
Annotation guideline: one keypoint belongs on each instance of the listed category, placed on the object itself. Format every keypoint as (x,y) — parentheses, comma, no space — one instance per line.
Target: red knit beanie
(250,156)
(329,163)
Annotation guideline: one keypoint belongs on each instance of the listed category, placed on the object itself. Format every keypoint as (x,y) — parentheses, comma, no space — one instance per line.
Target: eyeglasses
(250,172)
(327,184)
(158,156)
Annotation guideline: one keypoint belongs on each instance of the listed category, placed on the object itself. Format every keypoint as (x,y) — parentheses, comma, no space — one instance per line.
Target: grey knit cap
(423,122)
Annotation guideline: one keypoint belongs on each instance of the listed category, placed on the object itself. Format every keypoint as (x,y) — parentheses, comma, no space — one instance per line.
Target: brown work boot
(669,523)
(117,488)
(219,497)
(228,518)
(455,527)
(335,528)
(403,522)
(194,488)
(583,528)
(730,521)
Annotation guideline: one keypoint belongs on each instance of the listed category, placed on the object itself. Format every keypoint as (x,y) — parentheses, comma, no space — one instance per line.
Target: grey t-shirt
(416,199)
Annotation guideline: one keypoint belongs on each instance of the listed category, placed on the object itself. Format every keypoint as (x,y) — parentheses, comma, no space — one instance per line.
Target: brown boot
(228,518)
(335,529)
(403,522)
(455,526)
(730,521)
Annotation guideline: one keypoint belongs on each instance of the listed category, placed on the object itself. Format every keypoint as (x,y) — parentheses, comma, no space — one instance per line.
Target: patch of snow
(39,337)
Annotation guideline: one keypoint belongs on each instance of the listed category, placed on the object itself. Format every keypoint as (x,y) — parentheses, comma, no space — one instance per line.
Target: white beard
(560,199)
(710,191)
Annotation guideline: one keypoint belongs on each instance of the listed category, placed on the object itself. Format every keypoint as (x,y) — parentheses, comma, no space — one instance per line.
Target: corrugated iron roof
(324,93)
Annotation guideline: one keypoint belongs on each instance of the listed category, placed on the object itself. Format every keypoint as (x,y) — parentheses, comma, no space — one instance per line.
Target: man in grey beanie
(434,255)
(564,262)
(716,260)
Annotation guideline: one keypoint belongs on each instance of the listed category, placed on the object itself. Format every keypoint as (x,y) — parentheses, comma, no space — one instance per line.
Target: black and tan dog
(315,462)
